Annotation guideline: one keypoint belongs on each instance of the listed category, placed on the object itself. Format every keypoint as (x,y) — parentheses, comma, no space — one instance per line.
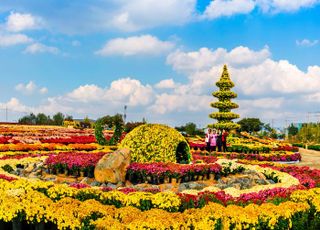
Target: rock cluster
(245,180)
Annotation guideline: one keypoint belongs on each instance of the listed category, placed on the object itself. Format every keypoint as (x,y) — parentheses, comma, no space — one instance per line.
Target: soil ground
(310,158)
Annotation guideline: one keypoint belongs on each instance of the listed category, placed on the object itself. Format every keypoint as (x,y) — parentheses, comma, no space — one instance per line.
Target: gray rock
(196,185)
(182,187)
(261,182)
(271,181)
(110,185)
(95,183)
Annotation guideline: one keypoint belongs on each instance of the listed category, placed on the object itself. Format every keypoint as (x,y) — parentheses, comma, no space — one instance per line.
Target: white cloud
(13,39)
(243,56)
(26,88)
(168,103)
(276,6)
(166,84)
(140,14)
(137,15)
(30,88)
(131,91)
(17,22)
(86,93)
(36,48)
(43,90)
(136,45)
(122,91)
(263,77)
(101,16)
(263,103)
(14,105)
(220,8)
(279,77)
(204,58)
(306,42)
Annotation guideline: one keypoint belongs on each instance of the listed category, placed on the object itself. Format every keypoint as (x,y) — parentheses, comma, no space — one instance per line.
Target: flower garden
(48,179)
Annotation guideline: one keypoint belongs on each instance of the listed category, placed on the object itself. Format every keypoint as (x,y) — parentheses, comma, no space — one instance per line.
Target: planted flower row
(73,163)
(77,139)
(274,156)
(20,147)
(156,173)
(70,140)
(274,195)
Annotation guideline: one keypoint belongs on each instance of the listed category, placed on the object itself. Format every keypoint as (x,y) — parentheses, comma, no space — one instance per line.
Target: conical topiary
(224,104)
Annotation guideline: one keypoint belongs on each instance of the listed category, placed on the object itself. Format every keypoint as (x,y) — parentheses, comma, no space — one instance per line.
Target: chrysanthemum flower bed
(247,144)
(69,207)
(292,202)
(157,173)
(74,163)
(282,156)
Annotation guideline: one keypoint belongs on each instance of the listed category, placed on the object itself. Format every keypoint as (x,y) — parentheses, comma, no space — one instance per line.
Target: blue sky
(161,58)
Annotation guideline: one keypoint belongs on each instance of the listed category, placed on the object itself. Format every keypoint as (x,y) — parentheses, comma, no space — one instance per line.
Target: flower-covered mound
(156,143)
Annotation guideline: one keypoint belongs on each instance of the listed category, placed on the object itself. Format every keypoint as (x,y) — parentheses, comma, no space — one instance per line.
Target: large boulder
(112,167)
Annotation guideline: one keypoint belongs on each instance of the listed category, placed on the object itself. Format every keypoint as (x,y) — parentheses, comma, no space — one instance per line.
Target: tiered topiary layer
(224,103)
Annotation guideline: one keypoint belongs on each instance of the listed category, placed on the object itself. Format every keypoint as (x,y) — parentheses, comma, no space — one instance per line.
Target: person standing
(213,141)
(224,140)
(207,139)
(219,140)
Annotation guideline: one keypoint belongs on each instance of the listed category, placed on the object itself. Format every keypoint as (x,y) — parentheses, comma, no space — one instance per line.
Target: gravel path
(310,158)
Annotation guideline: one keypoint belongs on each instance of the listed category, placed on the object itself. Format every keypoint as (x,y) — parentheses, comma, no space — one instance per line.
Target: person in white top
(207,139)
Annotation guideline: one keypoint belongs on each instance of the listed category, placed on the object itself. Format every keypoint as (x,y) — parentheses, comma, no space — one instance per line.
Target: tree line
(43,119)
(308,133)
(59,118)
(250,125)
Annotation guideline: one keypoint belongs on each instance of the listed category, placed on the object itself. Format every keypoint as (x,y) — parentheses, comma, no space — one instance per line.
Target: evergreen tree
(292,130)
(250,124)
(58,118)
(224,104)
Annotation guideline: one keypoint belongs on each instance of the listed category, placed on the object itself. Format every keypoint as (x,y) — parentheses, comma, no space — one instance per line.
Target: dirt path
(310,158)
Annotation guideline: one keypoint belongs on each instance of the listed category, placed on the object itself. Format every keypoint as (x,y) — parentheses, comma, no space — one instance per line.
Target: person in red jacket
(224,140)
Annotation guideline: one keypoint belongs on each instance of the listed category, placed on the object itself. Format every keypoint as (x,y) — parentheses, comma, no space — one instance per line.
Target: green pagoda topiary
(224,95)
(156,143)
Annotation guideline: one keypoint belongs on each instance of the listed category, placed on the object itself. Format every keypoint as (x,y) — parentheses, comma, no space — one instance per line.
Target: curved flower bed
(40,201)
(35,201)
(274,156)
